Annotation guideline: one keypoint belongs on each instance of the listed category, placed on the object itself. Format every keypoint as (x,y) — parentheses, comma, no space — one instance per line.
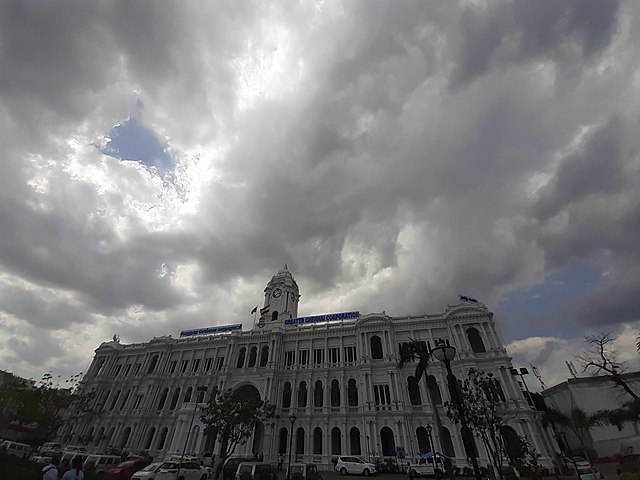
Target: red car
(126,469)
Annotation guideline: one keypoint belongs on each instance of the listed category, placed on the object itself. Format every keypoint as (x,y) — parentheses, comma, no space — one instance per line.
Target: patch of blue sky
(535,311)
(132,141)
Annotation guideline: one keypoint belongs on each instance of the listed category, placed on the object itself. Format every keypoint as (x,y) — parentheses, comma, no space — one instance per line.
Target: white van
(16,449)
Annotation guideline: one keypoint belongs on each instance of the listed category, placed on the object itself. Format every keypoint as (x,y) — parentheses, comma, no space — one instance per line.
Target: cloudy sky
(160,161)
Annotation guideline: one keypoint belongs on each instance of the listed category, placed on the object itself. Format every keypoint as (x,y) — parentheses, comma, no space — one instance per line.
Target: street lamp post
(368,449)
(292,419)
(193,416)
(434,454)
(446,353)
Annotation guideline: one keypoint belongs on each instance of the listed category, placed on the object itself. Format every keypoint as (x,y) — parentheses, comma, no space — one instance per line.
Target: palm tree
(417,352)
(581,422)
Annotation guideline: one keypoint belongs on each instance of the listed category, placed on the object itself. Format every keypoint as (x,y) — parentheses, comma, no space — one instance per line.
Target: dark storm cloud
(508,33)
(394,154)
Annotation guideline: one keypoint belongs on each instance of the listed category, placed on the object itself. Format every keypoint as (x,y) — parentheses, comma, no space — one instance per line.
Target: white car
(354,465)
(147,473)
(188,470)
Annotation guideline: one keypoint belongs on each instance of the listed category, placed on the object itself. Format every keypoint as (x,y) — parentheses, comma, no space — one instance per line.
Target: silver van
(16,449)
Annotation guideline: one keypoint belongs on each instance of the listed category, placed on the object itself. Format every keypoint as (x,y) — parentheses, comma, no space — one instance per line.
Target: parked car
(49,448)
(189,470)
(148,472)
(303,471)
(354,465)
(124,470)
(508,472)
(16,449)
(255,471)
(231,466)
(629,464)
(100,463)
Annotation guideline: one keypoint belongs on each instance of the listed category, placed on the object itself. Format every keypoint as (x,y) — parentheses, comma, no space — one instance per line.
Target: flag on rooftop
(264,309)
(255,309)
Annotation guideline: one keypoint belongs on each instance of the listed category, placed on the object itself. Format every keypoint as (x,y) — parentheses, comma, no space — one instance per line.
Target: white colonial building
(337,373)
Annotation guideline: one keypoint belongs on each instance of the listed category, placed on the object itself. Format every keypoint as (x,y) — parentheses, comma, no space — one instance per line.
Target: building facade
(338,374)
(592,394)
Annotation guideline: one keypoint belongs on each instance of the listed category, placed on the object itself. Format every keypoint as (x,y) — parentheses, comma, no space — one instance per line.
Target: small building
(592,394)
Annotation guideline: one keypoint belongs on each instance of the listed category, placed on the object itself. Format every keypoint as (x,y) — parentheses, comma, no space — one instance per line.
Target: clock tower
(280,299)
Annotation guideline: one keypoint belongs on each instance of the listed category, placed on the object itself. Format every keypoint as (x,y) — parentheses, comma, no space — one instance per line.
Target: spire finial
(285,267)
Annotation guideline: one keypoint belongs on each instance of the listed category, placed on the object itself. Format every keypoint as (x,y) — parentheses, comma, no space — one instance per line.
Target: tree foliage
(38,407)
(580,423)
(486,411)
(232,420)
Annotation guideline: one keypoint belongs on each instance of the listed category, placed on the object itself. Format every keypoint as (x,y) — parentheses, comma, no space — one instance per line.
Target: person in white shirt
(75,472)
(50,472)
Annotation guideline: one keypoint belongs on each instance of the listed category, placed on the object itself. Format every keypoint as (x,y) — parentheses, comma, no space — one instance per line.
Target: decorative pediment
(467,310)
(373,318)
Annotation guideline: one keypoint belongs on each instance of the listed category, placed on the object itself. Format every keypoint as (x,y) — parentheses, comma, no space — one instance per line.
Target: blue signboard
(329,317)
(210,330)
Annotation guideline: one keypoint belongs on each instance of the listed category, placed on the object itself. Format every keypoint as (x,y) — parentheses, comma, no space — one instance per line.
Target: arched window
(414,391)
(200,398)
(174,400)
(512,443)
(424,444)
(162,438)
(376,347)
(147,444)
(241,354)
(99,436)
(318,395)
(152,363)
(300,441)
(302,394)
(274,316)
(286,395)
(282,443)
(335,393)
(253,356)
(163,398)
(187,395)
(317,441)
(388,442)
(336,441)
(264,356)
(354,440)
(124,400)
(115,400)
(475,340)
(434,390)
(352,393)
(447,443)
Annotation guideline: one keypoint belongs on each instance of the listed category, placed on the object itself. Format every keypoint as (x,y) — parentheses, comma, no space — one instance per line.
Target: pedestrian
(280,462)
(50,471)
(75,472)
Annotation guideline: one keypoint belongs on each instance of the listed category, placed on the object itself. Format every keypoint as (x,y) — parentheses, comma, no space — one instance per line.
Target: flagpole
(255,314)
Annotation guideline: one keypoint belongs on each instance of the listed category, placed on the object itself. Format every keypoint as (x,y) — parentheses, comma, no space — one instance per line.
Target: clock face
(277,292)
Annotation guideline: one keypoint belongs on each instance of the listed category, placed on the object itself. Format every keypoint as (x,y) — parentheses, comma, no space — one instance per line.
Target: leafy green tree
(486,412)
(417,352)
(232,420)
(40,406)
(580,423)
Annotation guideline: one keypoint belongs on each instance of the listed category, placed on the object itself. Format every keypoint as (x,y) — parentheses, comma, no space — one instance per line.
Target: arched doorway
(424,445)
(388,442)
(124,437)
